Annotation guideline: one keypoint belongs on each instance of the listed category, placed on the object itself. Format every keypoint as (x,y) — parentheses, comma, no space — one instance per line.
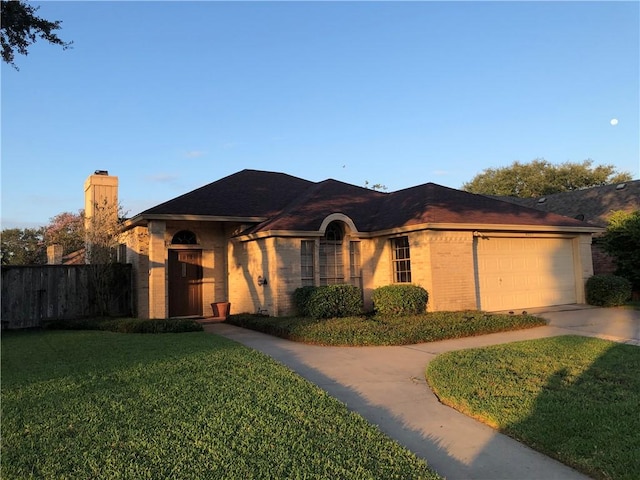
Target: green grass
(102,405)
(378,330)
(574,398)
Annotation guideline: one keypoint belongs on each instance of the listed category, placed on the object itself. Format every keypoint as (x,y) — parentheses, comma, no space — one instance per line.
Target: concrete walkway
(386,385)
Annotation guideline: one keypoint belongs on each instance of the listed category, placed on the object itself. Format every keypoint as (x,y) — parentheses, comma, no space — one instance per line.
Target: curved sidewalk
(386,385)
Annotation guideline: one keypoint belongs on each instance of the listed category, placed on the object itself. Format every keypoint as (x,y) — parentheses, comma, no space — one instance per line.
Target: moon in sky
(614,121)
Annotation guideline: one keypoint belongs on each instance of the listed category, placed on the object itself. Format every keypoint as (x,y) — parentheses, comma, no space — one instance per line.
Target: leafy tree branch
(540,177)
(20,28)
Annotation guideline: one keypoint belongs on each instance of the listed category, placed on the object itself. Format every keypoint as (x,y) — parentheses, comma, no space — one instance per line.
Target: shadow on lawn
(479,453)
(601,434)
(560,415)
(283,351)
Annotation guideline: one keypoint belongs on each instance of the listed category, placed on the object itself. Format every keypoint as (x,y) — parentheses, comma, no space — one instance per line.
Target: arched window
(331,262)
(184,237)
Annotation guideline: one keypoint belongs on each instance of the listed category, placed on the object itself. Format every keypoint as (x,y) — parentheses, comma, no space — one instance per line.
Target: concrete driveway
(386,385)
(616,324)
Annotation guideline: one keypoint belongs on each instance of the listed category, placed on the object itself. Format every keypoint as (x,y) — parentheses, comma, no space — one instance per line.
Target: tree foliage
(22,246)
(66,229)
(540,177)
(622,241)
(102,233)
(28,246)
(102,236)
(378,187)
(20,27)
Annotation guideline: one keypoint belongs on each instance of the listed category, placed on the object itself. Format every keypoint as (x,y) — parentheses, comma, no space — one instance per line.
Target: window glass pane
(184,237)
(354,263)
(401,260)
(331,263)
(306,262)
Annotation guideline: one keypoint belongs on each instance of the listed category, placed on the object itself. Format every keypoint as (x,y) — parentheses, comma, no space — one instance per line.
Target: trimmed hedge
(383,330)
(399,300)
(127,325)
(330,301)
(301,298)
(607,290)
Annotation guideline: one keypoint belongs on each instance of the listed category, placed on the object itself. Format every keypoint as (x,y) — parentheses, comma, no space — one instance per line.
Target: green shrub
(622,242)
(301,298)
(395,300)
(74,324)
(333,301)
(608,290)
(364,330)
(137,325)
(128,325)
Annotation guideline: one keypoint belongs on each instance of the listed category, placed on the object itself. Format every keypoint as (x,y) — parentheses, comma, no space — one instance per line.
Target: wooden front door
(185,283)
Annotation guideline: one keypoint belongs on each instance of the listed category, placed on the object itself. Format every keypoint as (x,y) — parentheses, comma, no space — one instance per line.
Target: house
(593,205)
(253,237)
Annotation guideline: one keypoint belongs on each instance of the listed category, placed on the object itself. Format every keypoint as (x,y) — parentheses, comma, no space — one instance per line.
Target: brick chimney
(100,192)
(54,254)
(100,189)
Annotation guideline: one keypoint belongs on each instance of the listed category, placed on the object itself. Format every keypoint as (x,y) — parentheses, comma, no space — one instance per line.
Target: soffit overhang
(479,228)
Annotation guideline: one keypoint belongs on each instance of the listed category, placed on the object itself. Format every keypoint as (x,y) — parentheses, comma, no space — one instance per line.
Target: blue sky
(170,96)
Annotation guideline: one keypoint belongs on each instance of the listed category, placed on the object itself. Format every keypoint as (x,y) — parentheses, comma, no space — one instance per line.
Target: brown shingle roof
(248,193)
(594,204)
(322,199)
(431,203)
(291,203)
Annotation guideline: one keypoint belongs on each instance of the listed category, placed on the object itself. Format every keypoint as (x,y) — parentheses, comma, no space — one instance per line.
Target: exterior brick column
(158,291)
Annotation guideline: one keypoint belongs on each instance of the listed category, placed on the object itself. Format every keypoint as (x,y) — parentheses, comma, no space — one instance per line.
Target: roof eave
(144,219)
(479,227)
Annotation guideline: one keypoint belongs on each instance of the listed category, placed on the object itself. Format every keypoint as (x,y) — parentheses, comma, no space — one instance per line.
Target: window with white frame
(401,260)
(306,262)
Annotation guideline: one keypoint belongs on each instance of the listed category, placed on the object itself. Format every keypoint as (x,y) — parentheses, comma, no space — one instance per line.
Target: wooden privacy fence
(37,293)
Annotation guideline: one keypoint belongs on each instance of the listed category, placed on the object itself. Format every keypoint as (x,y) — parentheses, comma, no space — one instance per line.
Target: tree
(22,246)
(376,186)
(622,241)
(539,177)
(20,28)
(66,229)
(102,236)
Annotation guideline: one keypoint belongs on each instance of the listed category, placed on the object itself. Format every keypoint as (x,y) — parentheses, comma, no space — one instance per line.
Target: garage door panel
(524,272)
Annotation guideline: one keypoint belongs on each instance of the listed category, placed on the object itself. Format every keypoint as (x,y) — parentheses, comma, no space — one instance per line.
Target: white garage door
(516,273)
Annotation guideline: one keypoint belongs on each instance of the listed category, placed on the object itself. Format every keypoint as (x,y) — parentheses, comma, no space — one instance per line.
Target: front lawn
(107,405)
(574,398)
(379,330)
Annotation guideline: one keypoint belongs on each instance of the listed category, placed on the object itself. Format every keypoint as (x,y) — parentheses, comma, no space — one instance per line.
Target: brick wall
(137,243)
(603,263)
(441,262)
(246,262)
(158,300)
(453,280)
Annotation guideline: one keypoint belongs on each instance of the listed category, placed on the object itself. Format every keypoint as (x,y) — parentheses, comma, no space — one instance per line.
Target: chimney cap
(101,172)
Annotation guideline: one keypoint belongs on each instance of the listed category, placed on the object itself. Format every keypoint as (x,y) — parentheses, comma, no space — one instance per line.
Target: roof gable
(324,198)
(248,193)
